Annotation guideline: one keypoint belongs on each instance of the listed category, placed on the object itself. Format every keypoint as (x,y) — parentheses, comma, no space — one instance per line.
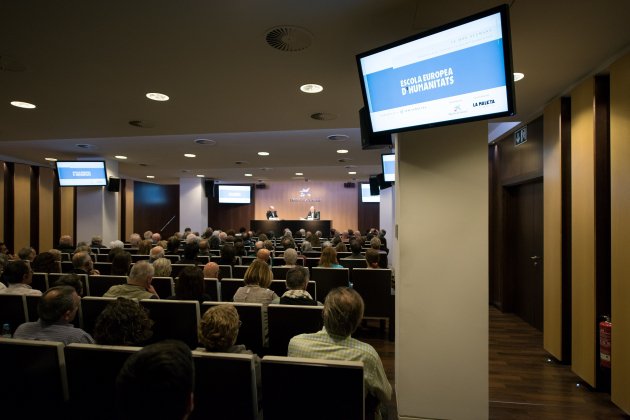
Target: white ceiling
(87,66)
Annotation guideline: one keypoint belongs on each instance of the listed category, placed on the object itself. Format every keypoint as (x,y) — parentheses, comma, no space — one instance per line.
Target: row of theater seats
(42,379)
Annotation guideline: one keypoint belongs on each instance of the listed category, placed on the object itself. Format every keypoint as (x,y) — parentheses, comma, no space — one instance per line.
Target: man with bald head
(156,253)
(211,271)
(264,255)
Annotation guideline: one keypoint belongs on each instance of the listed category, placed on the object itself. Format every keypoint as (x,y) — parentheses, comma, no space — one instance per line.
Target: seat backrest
(338,385)
(92,371)
(174,319)
(172,257)
(238,271)
(33,378)
(225,386)
(103,267)
(13,311)
(211,288)
(164,286)
(311,262)
(226,271)
(328,279)
(32,302)
(250,334)
(66,266)
(374,286)
(279,273)
(177,268)
(91,308)
(98,285)
(40,282)
(247,259)
(352,263)
(228,287)
(287,321)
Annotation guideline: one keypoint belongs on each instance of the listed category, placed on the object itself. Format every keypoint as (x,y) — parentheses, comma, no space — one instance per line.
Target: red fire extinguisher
(605,332)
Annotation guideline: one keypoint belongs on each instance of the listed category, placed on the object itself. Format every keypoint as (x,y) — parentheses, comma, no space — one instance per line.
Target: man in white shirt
(18,275)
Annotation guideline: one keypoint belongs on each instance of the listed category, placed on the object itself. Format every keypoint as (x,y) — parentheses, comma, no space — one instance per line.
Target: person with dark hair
(57,309)
(172,246)
(72,280)
(112,253)
(144,247)
(343,312)
(228,255)
(121,264)
(123,322)
(157,382)
(297,280)
(66,244)
(189,285)
(82,264)
(191,249)
(26,254)
(18,276)
(46,262)
(372,257)
(355,247)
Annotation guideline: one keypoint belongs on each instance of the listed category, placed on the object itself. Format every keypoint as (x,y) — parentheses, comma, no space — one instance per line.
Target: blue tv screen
(458,72)
(82,173)
(235,194)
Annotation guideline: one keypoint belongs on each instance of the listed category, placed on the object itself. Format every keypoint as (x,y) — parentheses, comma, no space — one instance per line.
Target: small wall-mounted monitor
(235,194)
(82,173)
(458,72)
(388,161)
(366,195)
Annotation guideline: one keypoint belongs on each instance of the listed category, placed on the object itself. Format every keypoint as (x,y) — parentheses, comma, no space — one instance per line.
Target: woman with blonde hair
(329,258)
(162,267)
(257,279)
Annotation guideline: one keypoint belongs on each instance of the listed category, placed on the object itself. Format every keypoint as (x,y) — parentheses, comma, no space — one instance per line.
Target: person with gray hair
(343,312)
(147,235)
(162,267)
(156,237)
(297,280)
(57,309)
(155,253)
(134,240)
(290,257)
(116,244)
(306,247)
(191,238)
(97,242)
(138,283)
(66,244)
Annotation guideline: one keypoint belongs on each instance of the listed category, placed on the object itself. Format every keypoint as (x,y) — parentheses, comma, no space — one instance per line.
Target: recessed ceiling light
(352,173)
(120,157)
(299,173)
(263,153)
(200,176)
(311,88)
(51,159)
(248,175)
(518,76)
(342,151)
(21,104)
(150,176)
(155,96)
(190,155)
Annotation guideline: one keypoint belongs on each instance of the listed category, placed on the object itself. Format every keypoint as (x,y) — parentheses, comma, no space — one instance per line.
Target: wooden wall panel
(129,206)
(583,232)
(620,221)
(230,216)
(22,206)
(67,209)
(335,202)
(46,221)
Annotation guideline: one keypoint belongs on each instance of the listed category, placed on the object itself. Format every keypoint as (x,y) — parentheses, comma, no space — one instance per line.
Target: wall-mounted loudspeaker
(261,186)
(349,185)
(208,187)
(113,185)
(374,188)
(369,140)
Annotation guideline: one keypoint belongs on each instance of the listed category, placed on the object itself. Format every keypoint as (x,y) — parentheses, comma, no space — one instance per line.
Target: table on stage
(277,226)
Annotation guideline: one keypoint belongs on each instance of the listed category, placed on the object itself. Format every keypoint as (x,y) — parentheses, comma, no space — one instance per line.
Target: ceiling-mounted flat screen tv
(366,195)
(388,161)
(82,173)
(456,73)
(235,194)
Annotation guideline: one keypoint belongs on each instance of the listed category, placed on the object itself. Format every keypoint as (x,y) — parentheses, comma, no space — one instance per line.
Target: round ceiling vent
(205,142)
(338,137)
(288,38)
(323,116)
(142,124)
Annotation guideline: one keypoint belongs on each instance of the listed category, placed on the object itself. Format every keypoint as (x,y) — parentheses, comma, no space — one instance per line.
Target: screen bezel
(361,184)
(503,11)
(233,185)
(383,165)
(82,161)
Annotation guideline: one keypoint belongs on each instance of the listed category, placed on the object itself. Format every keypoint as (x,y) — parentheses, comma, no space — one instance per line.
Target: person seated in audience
(207,233)
(4,261)
(187,231)
(328,258)
(97,242)
(157,382)
(287,241)
(163,243)
(138,283)
(290,258)
(314,240)
(211,271)
(66,244)
(239,247)
(112,253)
(155,253)
(71,280)
(297,280)
(228,255)
(258,245)
(134,240)
(223,237)
(18,276)
(264,255)
(215,241)
(189,286)
(343,311)
(375,243)
(46,263)
(204,248)
(82,264)
(155,238)
(163,267)
(147,235)
(116,244)
(257,279)
(306,247)
(341,247)
(123,322)
(190,253)
(172,247)
(3,249)
(121,264)
(192,238)
(27,254)
(144,247)
(356,248)
(57,309)
(372,258)
(327,244)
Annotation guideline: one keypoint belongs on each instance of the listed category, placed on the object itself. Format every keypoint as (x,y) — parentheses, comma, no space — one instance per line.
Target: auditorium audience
(46,263)
(356,248)
(121,263)
(189,286)
(155,253)
(116,244)
(157,382)
(97,242)
(297,280)
(66,244)
(211,271)
(162,267)
(341,247)
(82,264)
(155,238)
(228,255)
(144,247)
(257,279)
(290,258)
(18,276)
(306,246)
(173,245)
(138,283)
(372,258)
(190,253)
(264,255)
(328,258)
(134,240)
(215,241)
(147,235)
(343,311)
(57,309)
(123,322)
(72,280)
(26,254)
(204,248)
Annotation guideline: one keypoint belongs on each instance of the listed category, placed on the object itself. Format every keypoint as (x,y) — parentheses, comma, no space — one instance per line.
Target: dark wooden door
(525,219)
